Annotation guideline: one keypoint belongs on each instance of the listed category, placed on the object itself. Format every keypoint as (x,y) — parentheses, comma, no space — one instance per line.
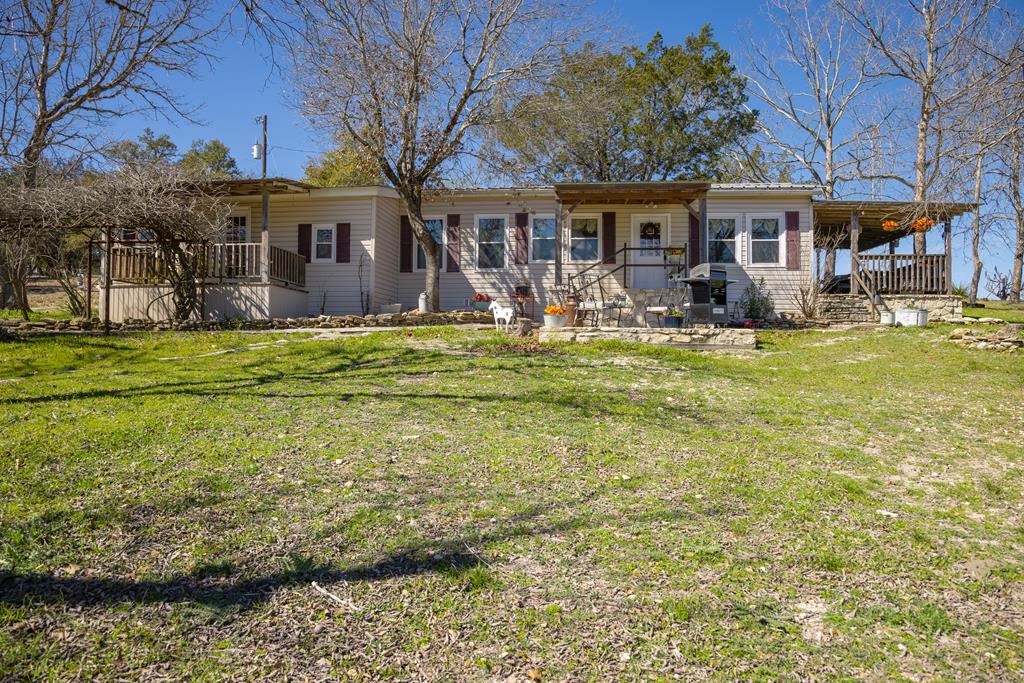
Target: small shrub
(756,302)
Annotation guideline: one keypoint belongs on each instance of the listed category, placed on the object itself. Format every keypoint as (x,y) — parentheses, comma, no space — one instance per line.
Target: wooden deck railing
(287,266)
(906,273)
(228,262)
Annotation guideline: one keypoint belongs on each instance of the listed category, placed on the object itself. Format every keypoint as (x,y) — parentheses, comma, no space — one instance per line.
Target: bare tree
(928,45)
(998,285)
(809,78)
(180,210)
(414,83)
(1010,178)
(70,65)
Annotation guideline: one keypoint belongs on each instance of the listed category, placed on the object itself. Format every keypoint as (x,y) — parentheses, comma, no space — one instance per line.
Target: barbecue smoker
(709,291)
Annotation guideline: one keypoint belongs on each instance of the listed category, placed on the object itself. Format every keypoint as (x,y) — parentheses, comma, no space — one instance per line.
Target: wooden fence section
(905,273)
(137,264)
(231,262)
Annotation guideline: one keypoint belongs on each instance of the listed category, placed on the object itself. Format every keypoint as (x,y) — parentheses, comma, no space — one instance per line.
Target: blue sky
(232,92)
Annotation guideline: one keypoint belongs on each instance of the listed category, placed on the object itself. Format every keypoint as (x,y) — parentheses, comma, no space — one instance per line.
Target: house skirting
(244,301)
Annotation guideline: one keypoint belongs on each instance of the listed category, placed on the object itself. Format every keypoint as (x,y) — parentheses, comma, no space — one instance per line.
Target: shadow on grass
(210,585)
(370,367)
(36,588)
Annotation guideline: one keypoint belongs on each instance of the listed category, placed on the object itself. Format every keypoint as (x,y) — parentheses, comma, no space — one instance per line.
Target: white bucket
(912,317)
(887,318)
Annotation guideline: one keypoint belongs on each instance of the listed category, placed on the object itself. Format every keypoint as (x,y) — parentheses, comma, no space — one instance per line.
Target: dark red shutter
(453,243)
(793,240)
(343,243)
(608,236)
(405,246)
(306,240)
(694,244)
(522,239)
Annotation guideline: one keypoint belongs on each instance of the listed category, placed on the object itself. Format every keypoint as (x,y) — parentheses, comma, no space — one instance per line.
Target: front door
(650,237)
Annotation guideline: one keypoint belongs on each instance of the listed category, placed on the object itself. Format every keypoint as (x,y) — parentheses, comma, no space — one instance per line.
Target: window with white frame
(584,238)
(542,238)
(490,242)
(435,226)
(722,239)
(237,229)
(323,242)
(766,240)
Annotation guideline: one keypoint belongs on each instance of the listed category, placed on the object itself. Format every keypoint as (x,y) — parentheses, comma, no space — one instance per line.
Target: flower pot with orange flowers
(555,316)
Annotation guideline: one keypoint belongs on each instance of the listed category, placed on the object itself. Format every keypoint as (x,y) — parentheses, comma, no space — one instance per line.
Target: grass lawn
(1013,313)
(15,314)
(432,505)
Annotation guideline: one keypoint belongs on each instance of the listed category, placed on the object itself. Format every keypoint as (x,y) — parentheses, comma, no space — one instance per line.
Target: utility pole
(263,149)
(265,199)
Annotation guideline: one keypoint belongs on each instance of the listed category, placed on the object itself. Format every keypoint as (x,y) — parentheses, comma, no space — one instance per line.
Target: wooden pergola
(860,225)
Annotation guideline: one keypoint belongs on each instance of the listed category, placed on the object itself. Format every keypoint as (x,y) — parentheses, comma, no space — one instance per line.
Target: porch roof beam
(670,192)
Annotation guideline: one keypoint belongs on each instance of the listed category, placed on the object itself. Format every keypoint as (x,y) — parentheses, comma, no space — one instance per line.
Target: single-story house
(291,249)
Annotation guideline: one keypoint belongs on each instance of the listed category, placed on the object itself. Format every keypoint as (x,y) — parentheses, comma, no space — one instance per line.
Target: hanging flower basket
(923,224)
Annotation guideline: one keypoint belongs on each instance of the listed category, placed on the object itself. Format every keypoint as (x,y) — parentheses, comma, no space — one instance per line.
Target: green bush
(756,302)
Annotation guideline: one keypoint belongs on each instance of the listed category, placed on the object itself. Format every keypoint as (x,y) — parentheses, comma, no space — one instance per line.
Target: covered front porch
(884,279)
(234,278)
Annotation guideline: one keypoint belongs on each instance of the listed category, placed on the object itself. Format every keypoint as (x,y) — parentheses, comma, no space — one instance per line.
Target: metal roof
(808,188)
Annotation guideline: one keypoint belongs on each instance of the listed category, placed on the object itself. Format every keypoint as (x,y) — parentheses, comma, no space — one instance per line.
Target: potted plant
(672,318)
(555,316)
(480,302)
(756,304)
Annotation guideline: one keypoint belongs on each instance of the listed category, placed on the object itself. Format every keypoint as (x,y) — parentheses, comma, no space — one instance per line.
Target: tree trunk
(1018,207)
(431,250)
(920,168)
(1017,269)
(924,123)
(830,266)
(976,231)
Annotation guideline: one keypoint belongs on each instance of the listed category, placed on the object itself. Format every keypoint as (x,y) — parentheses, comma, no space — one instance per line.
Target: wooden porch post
(703,248)
(854,247)
(265,237)
(948,234)
(107,278)
(559,224)
(88,281)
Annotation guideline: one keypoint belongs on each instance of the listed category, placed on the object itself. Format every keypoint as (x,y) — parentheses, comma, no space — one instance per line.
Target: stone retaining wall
(1010,338)
(409,319)
(854,308)
(690,337)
